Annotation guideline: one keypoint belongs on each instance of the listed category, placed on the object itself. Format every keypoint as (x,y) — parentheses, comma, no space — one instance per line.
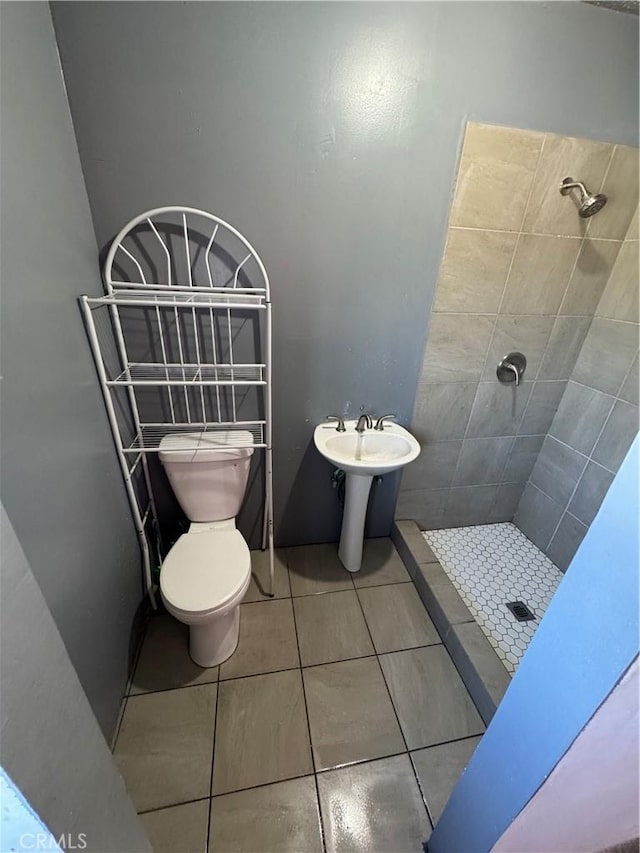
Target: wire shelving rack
(182,345)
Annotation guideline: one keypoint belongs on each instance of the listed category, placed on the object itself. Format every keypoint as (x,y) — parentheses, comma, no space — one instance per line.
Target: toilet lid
(205,570)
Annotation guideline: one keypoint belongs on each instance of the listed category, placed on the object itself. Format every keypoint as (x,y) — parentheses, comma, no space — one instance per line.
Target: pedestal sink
(362,456)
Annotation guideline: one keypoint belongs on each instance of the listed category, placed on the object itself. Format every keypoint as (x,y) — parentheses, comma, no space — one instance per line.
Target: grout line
(589,459)
(213,755)
(404,740)
(173,805)
(622,384)
(586,456)
(498,312)
(512,314)
(321,772)
(123,708)
(537,233)
(591,387)
(306,712)
(128,685)
(602,183)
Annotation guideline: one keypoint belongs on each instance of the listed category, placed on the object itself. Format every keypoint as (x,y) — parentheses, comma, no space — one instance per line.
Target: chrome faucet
(341,426)
(364,422)
(380,422)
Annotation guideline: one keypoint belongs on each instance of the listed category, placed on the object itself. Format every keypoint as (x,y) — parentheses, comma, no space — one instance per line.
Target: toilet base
(215,640)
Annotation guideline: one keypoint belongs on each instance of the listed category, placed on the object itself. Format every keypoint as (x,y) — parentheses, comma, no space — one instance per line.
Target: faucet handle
(341,427)
(511,368)
(380,422)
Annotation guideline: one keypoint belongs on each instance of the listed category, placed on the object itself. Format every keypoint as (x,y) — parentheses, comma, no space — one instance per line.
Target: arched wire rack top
(184,249)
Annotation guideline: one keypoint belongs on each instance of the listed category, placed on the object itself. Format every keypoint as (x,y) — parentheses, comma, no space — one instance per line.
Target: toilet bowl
(202,581)
(206,573)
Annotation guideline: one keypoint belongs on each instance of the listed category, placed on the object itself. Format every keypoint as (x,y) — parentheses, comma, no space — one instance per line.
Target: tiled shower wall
(595,423)
(521,271)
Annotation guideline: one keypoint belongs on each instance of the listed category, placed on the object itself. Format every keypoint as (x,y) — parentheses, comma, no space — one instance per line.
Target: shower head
(589,203)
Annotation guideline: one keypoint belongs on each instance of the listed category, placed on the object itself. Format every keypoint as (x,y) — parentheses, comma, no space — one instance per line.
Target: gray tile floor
(339,724)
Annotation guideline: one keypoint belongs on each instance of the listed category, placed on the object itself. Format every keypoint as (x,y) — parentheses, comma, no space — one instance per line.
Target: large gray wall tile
(434,468)
(630,387)
(606,356)
(528,335)
(621,185)
(468,505)
(565,542)
(590,492)
(564,347)
(442,410)
(506,502)
(541,408)
(424,506)
(497,409)
(537,516)
(494,160)
(522,457)
(482,460)
(474,270)
(616,438)
(620,298)
(456,347)
(595,262)
(557,470)
(539,274)
(548,212)
(580,417)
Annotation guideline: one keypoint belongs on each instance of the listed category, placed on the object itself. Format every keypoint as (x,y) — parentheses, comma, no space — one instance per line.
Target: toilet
(206,573)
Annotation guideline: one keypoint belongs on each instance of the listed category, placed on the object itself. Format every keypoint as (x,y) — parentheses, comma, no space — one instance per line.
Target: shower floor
(490,565)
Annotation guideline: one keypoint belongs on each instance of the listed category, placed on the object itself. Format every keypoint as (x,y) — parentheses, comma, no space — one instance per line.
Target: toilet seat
(205,571)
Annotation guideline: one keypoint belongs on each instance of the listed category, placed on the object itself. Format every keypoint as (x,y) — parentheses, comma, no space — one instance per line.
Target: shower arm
(566,186)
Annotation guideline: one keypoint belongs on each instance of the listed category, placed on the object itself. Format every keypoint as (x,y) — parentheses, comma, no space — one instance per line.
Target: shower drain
(520,611)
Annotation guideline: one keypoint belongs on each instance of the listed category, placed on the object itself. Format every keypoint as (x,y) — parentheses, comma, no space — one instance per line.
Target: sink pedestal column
(356,498)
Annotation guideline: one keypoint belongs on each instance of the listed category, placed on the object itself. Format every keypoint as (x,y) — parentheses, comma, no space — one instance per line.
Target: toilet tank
(208,478)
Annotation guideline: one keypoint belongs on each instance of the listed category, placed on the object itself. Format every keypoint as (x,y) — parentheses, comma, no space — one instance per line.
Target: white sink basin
(363,456)
(369,453)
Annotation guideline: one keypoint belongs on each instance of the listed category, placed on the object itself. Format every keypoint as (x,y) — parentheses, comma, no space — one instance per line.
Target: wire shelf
(154,374)
(228,436)
(174,298)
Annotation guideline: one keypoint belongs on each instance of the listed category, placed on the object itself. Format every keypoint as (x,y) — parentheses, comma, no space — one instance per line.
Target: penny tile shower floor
(340,723)
(489,565)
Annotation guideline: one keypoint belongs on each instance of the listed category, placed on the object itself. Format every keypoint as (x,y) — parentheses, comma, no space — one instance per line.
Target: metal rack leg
(113,422)
(269,516)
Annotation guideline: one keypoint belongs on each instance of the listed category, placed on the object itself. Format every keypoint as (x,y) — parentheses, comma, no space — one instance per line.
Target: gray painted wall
(60,483)
(329,134)
(51,744)
(595,424)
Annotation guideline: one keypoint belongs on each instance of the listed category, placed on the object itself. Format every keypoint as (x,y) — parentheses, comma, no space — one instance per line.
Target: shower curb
(482,671)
